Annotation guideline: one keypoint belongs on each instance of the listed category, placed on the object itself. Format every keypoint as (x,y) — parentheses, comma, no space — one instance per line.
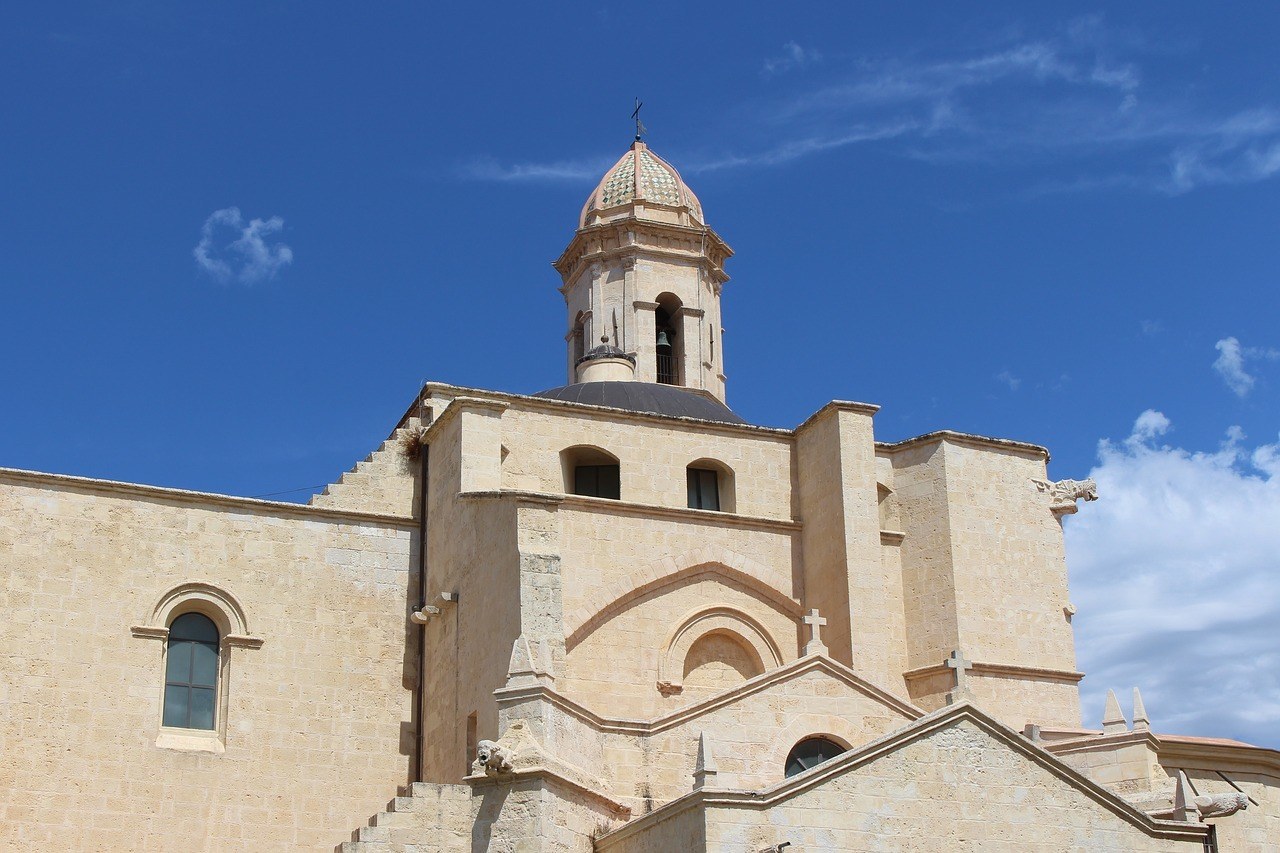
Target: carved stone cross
(961,667)
(815,623)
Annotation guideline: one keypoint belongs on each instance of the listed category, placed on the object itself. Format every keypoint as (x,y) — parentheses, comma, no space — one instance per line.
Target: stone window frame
(844,732)
(719,619)
(228,616)
(587,455)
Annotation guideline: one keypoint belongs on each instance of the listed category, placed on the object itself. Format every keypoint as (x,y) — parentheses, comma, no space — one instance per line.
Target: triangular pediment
(956,779)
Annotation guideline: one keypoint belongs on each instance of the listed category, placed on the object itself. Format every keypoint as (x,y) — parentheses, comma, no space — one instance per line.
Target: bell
(663,340)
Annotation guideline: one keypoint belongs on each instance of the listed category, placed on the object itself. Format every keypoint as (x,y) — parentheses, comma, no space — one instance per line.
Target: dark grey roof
(606,351)
(645,397)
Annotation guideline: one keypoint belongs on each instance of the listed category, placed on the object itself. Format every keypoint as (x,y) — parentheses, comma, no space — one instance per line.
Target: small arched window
(811,752)
(191,673)
(667,347)
(709,485)
(591,471)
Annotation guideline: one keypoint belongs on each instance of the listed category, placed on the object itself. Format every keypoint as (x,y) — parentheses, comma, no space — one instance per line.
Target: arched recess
(711,621)
(592,471)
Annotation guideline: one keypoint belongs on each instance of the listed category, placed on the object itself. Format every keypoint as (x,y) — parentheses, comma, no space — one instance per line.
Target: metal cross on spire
(635,114)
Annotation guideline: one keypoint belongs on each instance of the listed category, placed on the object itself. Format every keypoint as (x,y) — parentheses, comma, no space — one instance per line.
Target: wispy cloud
(793,56)
(248,258)
(1007,379)
(1231,361)
(488,169)
(1175,575)
(1074,108)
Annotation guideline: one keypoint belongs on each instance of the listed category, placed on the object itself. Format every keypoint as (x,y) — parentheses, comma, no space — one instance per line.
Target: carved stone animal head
(493,758)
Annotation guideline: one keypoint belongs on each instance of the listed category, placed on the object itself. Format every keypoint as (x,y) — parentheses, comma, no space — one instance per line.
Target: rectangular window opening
(598,481)
(704,491)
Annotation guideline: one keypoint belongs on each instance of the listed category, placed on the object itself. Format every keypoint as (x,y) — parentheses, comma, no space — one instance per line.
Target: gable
(952,781)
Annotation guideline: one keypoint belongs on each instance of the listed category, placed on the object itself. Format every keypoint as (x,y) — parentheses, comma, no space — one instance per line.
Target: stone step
(374,833)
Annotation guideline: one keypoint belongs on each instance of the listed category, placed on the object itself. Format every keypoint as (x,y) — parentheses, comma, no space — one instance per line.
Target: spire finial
(635,114)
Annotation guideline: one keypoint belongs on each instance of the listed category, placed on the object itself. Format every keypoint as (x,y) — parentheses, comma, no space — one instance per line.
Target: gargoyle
(493,758)
(1064,493)
(1221,805)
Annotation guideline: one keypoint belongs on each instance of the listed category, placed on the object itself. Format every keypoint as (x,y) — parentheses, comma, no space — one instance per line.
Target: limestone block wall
(313,721)
(626,656)
(653,455)
(984,571)
(928,583)
(846,576)
(384,481)
(645,764)
(956,790)
(472,551)
(1009,559)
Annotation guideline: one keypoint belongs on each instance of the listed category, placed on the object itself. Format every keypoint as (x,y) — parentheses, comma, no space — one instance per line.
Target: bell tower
(642,280)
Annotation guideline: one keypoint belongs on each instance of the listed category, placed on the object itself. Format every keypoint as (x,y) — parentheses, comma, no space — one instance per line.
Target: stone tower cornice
(637,238)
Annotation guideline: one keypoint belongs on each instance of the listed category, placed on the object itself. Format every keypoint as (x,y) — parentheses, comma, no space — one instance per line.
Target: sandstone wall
(314,726)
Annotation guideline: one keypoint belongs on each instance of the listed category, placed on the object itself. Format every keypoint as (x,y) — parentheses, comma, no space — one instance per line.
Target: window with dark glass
(704,490)
(811,752)
(191,672)
(600,481)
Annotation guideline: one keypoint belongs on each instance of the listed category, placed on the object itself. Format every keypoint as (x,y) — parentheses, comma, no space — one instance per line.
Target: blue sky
(238,236)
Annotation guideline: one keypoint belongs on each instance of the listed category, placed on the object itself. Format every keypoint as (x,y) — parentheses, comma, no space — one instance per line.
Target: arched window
(709,485)
(579,339)
(592,472)
(191,673)
(668,348)
(811,752)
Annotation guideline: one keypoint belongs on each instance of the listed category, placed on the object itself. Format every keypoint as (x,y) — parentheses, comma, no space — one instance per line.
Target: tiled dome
(642,175)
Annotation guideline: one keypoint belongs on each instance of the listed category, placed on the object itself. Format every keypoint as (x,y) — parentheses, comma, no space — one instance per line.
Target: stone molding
(868,409)
(890,743)
(999,670)
(648,728)
(892,537)
(979,442)
(605,601)
(204,500)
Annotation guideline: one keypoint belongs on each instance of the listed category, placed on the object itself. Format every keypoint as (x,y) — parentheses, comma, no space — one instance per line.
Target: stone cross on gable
(815,623)
(960,666)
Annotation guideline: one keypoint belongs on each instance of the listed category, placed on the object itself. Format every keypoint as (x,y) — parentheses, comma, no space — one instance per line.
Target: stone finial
(1063,494)
(961,691)
(705,768)
(815,623)
(1113,721)
(1183,809)
(1140,721)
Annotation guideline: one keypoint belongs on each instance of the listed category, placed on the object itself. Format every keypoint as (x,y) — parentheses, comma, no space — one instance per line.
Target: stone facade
(581,671)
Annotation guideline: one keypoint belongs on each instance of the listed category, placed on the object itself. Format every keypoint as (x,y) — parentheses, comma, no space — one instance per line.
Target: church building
(610,616)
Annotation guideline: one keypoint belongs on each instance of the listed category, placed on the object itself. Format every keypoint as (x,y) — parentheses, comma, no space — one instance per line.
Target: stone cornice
(1213,754)
(203,500)
(619,809)
(526,401)
(646,728)
(838,406)
(999,670)
(639,510)
(981,442)
(892,537)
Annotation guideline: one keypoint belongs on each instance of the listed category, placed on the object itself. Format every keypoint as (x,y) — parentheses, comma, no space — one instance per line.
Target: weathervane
(635,114)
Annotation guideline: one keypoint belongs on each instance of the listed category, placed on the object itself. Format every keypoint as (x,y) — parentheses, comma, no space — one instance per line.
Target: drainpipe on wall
(419,703)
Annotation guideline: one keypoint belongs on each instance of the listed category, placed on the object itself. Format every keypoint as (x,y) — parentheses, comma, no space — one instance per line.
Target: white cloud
(247,258)
(1176,572)
(574,171)
(1007,378)
(793,56)
(1231,360)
